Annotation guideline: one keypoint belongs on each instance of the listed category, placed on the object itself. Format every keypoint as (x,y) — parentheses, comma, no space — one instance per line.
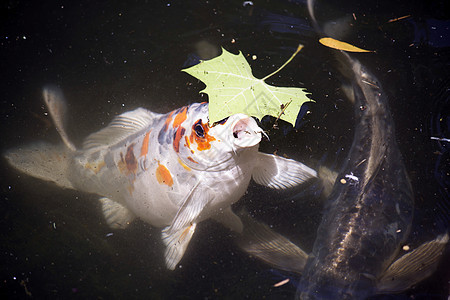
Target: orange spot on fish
(180,117)
(130,160)
(95,167)
(121,164)
(144,148)
(168,120)
(185,232)
(203,142)
(177,137)
(188,144)
(128,164)
(130,189)
(191,159)
(183,165)
(191,138)
(163,175)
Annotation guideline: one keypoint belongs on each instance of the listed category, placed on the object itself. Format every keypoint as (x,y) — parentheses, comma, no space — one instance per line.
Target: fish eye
(199,131)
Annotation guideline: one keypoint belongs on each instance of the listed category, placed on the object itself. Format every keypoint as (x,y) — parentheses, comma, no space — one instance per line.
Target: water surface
(113,56)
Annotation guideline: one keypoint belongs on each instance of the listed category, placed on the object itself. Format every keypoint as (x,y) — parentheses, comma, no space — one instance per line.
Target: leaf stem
(300,47)
(283,109)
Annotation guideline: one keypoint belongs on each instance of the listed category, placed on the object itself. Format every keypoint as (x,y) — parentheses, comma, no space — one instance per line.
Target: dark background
(113,56)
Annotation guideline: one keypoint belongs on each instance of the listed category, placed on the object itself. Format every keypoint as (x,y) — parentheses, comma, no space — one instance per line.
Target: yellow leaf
(232,89)
(335,44)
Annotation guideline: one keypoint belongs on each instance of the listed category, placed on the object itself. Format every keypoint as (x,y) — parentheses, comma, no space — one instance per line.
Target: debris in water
(283,282)
(339,45)
(440,139)
(398,19)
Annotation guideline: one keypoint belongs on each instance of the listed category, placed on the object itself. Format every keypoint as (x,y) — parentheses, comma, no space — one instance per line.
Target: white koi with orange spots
(170,170)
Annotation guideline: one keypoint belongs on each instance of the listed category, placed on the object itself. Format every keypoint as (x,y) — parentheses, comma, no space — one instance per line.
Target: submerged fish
(366,219)
(170,170)
(369,213)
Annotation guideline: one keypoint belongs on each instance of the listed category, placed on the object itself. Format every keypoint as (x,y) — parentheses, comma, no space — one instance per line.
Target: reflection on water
(113,57)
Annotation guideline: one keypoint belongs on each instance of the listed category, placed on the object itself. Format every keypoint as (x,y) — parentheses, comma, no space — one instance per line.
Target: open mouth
(246,132)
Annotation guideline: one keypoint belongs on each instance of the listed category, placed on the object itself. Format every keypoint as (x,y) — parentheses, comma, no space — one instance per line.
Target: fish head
(213,147)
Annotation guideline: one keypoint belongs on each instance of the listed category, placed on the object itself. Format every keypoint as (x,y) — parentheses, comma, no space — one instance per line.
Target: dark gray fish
(366,219)
(369,213)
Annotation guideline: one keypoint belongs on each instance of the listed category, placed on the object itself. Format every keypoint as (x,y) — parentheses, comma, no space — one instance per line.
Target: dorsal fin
(120,127)
(56,104)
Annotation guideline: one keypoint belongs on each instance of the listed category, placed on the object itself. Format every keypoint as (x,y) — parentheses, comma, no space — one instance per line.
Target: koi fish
(170,170)
(367,217)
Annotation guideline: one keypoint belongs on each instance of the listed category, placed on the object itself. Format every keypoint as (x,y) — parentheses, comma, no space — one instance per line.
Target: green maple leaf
(232,88)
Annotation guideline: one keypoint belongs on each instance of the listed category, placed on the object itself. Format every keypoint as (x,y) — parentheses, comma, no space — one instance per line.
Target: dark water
(113,56)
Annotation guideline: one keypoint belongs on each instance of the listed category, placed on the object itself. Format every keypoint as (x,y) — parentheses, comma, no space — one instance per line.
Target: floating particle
(283,282)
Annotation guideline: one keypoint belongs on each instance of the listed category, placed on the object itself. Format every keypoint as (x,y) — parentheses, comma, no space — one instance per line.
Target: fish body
(369,213)
(152,170)
(170,170)
(366,219)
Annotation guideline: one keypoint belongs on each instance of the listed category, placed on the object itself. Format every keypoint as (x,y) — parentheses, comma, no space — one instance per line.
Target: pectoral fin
(176,237)
(116,215)
(177,243)
(280,173)
(271,247)
(412,267)
(229,219)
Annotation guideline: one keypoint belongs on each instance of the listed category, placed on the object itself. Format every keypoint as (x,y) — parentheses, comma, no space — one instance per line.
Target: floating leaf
(232,88)
(335,44)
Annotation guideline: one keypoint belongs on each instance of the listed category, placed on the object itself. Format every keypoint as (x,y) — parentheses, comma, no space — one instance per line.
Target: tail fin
(43,161)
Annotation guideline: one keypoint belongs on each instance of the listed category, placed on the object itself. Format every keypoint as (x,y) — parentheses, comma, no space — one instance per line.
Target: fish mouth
(246,132)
